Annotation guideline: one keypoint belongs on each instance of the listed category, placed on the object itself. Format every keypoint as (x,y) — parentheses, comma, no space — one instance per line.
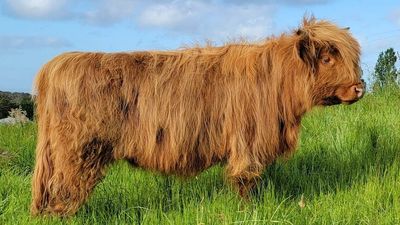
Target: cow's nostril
(359,91)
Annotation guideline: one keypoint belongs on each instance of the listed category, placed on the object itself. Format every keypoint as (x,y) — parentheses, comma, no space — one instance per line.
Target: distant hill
(15,97)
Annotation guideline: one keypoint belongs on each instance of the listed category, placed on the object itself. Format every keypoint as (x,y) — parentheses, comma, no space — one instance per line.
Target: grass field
(347,167)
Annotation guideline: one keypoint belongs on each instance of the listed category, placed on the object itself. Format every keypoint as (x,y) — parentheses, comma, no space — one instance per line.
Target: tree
(5,106)
(10,101)
(386,72)
(27,105)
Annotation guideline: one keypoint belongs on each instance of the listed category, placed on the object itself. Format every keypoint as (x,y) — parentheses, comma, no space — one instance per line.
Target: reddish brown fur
(180,112)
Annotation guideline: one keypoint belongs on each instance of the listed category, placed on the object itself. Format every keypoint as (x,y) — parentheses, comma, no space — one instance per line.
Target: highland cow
(180,112)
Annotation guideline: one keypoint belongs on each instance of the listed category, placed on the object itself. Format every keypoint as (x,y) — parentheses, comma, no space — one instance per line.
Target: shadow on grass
(324,170)
(144,193)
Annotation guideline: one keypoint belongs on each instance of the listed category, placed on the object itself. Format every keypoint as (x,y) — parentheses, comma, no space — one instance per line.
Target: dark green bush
(5,106)
(9,101)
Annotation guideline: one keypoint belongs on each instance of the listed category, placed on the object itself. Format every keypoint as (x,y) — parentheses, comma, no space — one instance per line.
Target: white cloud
(180,14)
(163,15)
(98,12)
(107,12)
(277,2)
(22,42)
(37,9)
(304,2)
(211,20)
(249,21)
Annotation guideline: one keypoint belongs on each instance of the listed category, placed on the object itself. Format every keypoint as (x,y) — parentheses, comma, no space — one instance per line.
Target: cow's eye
(326,59)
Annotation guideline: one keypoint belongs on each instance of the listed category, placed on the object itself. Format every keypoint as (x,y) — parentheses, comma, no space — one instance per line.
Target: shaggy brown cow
(180,112)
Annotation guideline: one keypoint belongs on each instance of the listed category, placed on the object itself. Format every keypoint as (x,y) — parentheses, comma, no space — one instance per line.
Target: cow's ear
(306,49)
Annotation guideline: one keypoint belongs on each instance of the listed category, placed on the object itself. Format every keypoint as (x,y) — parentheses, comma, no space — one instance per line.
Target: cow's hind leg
(77,169)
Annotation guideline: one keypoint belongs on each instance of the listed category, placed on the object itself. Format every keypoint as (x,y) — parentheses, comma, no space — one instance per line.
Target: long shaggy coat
(180,112)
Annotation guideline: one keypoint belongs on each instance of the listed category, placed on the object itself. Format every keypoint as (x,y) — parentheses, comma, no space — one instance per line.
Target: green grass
(347,166)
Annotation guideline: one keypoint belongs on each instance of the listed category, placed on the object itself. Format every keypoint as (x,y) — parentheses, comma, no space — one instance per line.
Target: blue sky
(34,31)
